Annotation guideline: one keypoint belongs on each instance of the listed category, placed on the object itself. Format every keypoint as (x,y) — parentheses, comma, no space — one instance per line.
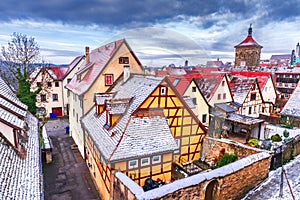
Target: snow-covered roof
(20,178)
(189,102)
(208,84)
(100,98)
(11,119)
(291,108)
(243,119)
(12,108)
(88,72)
(131,136)
(7,93)
(240,87)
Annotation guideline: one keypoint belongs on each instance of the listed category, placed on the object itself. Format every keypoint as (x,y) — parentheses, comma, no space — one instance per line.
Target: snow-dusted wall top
(190,181)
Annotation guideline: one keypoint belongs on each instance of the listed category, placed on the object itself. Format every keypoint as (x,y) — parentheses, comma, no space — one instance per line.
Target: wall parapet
(198,180)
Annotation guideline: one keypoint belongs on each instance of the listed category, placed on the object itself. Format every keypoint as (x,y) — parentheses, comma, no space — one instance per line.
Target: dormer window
(123,60)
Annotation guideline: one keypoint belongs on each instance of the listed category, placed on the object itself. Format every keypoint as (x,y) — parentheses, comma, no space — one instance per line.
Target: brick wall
(233,182)
(212,146)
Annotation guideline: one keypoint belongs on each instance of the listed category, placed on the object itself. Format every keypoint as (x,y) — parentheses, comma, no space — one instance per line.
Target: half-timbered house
(247,94)
(140,127)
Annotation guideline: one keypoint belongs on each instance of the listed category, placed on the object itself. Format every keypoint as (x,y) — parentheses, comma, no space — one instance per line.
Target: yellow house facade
(141,127)
(101,67)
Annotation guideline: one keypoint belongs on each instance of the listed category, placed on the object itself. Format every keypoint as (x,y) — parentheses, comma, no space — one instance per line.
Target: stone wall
(212,146)
(233,181)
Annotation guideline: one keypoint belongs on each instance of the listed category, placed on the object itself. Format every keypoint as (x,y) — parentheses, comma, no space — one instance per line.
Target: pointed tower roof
(249,41)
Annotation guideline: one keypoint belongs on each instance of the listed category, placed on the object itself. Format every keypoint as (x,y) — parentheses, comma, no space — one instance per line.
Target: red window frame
(109,79)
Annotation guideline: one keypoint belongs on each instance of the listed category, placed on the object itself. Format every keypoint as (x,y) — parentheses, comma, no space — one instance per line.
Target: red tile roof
(249,41)
(262,77)
(208,84)
(59,72)
(183,81)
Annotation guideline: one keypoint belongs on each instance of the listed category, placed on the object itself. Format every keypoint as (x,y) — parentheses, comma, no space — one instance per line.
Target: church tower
(247,53)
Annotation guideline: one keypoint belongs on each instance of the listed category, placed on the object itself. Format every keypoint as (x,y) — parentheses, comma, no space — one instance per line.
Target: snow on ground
(278,129)
(269,189)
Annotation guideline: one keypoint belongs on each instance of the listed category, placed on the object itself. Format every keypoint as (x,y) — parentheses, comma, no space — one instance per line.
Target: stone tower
(247,53)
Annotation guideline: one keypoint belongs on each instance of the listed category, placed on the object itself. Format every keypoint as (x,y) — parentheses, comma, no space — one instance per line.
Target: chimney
(126,73)
(87,55)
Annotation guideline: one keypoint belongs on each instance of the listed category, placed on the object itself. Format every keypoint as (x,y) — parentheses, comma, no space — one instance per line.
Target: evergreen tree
(25,95)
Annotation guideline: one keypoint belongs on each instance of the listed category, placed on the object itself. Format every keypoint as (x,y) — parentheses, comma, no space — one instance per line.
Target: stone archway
(211,190)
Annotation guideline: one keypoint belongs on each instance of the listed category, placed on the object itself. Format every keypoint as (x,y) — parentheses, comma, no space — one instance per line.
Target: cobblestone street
(67,177)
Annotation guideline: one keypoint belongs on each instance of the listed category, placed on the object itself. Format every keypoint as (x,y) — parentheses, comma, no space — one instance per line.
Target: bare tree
(18,58)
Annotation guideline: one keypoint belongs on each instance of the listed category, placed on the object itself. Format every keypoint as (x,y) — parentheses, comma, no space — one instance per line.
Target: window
(49,84)
(163,91)
(81,103)
(109,79)
(156,159)
(293,85)
(43,97)
(176,81)
(280,75)
(223,83)
(73,112)
(204,116)
(133,164)
(55,97)
(254,109)
(253,97)
(193,89)
(56,84)
(178,145)
(69,80)
(123,60)
(38,84)
(286,96)
(77,117)
(224,96)
(145,161)
(286,85)
(250,110)
(194,101)
(219,96)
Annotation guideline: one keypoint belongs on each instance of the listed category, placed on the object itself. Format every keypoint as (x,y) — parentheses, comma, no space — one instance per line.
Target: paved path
(67,177)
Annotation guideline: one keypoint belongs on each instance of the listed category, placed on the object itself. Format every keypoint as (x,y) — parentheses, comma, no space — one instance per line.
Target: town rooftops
(208,84)
(291,107)
(240,87)
(132,136)
(181,82)
(249,41)
(262,77)
(93,66)
(56,72)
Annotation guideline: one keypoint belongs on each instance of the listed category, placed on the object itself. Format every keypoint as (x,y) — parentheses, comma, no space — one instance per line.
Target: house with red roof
(49,100)
(99,70)
(203,91)
(267,88)
(247,94)
(247,53)
(215,88)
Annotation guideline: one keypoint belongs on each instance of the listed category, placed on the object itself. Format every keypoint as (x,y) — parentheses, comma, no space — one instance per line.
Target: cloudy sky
(160,32)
